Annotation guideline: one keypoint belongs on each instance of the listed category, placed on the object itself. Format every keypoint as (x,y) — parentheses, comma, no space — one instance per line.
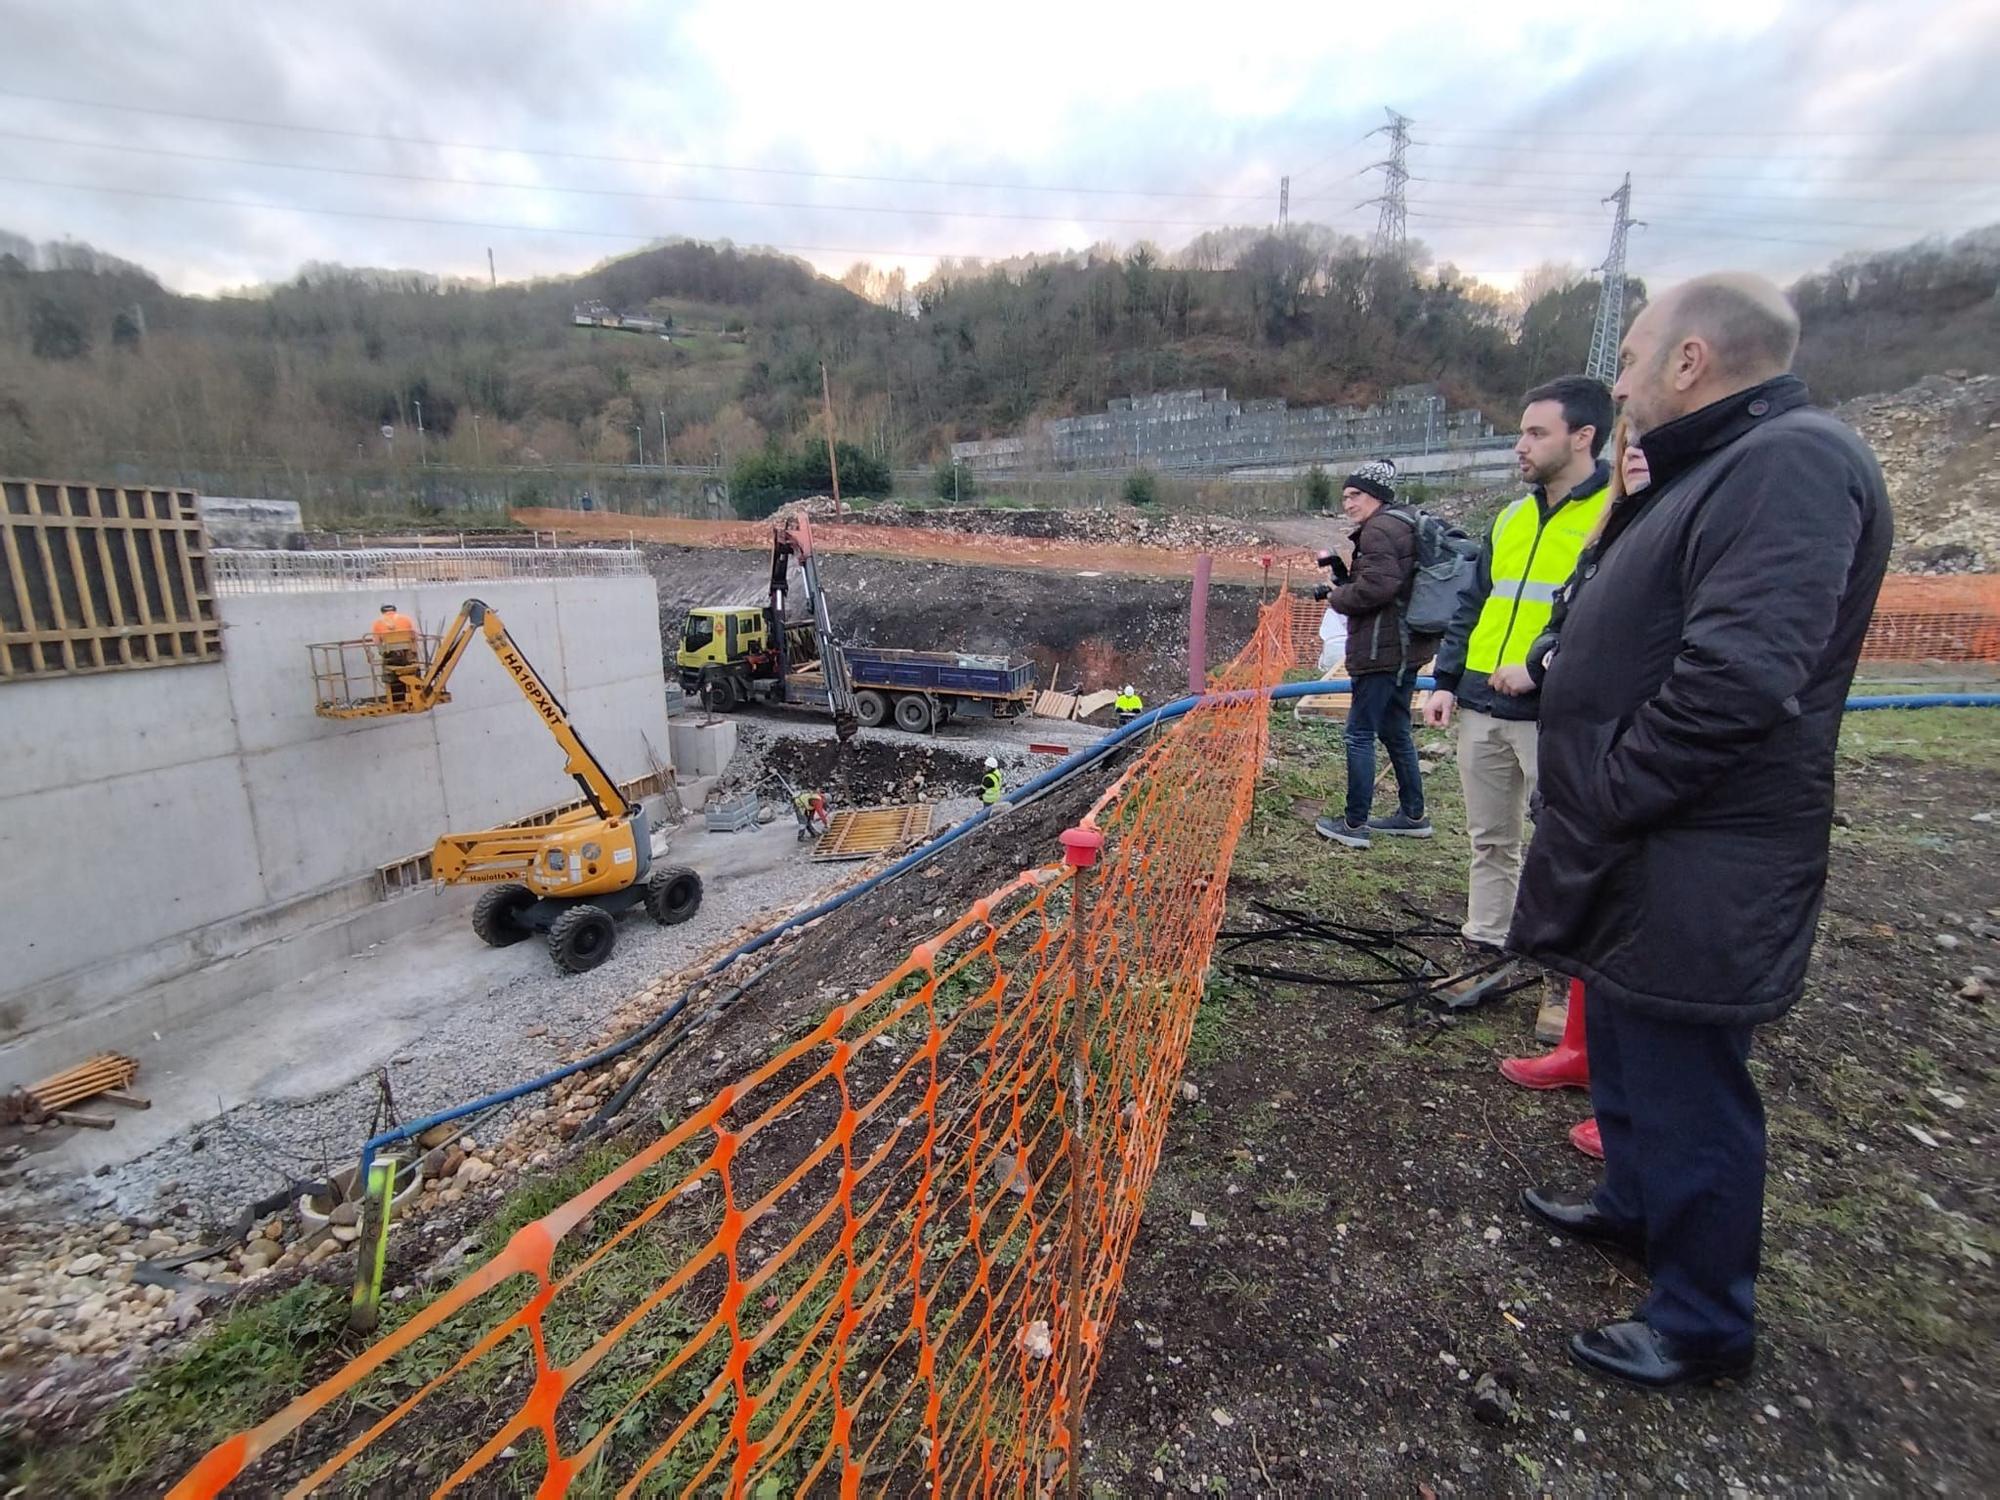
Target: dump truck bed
(958,673)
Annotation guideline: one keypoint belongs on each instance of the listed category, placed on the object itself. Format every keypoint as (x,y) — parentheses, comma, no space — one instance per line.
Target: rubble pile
(1115,526)
(1939,443)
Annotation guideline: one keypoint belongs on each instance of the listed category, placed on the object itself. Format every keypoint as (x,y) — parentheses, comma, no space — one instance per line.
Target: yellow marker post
(372,1249)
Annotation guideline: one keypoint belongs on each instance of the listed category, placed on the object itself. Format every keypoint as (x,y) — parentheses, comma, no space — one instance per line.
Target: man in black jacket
(1382,658)
(1692,685)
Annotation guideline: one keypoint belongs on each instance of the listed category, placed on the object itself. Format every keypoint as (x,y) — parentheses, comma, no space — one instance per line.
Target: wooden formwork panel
(856,833)
(102,578)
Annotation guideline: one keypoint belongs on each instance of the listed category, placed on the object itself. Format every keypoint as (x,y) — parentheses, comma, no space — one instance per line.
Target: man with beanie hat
(1382,657)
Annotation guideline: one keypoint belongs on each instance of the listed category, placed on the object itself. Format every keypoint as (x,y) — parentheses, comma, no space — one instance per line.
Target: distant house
(598,315)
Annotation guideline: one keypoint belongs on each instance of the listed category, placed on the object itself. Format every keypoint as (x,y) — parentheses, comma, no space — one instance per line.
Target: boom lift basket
(350,681)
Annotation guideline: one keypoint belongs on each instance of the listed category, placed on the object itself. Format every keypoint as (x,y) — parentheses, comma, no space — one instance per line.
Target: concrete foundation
(155,822)
(702,747)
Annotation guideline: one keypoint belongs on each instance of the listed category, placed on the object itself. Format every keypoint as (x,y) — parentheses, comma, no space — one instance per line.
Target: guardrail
(276,572)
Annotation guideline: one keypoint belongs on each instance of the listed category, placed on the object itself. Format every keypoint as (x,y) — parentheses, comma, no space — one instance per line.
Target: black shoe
(1638,1355)
(1577,1215)
(1400,822)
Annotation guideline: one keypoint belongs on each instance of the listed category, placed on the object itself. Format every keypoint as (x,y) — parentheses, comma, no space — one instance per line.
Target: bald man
(1692,683)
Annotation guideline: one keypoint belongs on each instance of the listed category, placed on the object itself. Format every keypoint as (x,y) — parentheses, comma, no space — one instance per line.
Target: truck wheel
(582,938)
(717,696)
(496,916)
(673,894)
(871,708)
(913,713)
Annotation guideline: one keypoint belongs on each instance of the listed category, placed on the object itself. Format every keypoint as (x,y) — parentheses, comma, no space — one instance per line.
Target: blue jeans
(1381,710)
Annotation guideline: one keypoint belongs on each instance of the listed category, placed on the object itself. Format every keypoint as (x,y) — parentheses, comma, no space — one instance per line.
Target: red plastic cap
(1080,847)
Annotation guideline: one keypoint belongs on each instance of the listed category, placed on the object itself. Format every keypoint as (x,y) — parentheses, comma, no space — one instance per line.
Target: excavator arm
(477,617)
(793,538)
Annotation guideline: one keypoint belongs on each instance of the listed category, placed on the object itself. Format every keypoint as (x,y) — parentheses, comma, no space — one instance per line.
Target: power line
(630,161)
(598,192)
(1674,154)
(1745,134)
(1896,198)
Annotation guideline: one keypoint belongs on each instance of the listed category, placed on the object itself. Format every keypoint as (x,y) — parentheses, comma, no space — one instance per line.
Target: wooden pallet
(108,1074)
(858,833)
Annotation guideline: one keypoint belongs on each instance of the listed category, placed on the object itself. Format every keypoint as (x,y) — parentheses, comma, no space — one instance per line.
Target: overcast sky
(1762,134)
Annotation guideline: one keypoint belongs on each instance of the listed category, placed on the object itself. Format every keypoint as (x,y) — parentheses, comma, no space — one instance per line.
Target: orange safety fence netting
(1924,617)
(1918,617)
(889,1256)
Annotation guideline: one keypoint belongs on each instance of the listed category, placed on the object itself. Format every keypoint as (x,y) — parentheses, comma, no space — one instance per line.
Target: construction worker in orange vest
(395,641)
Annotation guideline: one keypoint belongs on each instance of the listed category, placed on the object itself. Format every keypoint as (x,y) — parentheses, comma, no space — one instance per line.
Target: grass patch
(1295,1199)
(252,1361)
(1966,737)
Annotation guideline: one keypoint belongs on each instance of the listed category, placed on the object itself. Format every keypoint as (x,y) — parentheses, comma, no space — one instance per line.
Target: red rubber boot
(1585,1138)
(1566,1065)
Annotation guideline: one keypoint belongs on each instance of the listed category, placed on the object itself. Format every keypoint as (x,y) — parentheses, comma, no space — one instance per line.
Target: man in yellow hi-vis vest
(1530,551)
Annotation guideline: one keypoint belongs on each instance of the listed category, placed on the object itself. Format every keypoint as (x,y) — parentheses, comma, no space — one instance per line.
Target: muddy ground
(1097,632)
(1365,1262)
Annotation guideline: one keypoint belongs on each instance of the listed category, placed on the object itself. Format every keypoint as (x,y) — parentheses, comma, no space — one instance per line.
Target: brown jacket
(1378,580)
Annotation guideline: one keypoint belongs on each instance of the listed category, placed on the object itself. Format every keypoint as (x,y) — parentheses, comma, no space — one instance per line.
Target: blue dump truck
(728,659)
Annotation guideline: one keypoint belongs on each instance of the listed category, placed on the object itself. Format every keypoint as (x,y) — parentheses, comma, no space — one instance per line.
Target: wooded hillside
(100,364)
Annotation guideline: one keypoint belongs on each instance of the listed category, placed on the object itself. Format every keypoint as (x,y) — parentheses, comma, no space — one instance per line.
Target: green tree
(953,483)
(54,332)
(762,482)
(1319,488)
(1142,488)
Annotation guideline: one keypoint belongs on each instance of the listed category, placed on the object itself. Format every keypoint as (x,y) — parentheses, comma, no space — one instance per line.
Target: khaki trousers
(1496,767)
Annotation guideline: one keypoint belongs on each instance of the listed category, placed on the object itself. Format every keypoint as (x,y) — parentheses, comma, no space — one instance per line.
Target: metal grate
(254,572)
(857,833)
(102,578)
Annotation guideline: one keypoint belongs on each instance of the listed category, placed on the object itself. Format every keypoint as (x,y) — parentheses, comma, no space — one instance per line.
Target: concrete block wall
(152,821)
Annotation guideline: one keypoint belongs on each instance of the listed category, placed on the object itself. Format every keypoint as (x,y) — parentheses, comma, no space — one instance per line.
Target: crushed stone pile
(1939,443)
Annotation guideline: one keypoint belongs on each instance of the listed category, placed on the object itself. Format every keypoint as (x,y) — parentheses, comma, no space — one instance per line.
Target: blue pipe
(1925,700)
(1064,769)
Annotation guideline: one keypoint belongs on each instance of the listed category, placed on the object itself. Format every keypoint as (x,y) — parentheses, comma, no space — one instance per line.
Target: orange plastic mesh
(856,1261)
(1918,617)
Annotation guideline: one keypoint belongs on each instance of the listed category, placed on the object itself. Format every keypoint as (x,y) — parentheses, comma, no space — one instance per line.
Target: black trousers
(1683,1135)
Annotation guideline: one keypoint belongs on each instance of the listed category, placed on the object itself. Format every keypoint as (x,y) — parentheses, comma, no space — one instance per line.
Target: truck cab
(729,636)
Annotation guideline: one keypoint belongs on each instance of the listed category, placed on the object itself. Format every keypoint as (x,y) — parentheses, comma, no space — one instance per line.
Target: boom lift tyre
(581,938)
(673,894)
(496,917)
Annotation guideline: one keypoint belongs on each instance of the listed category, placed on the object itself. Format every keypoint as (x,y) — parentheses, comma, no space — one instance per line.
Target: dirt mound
(1939,442)
(1123,526)
(860,773)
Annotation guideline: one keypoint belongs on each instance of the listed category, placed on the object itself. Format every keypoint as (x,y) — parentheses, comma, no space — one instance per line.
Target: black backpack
(1447,564)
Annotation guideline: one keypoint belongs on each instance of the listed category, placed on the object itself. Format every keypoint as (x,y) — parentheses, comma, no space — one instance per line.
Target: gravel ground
(291,1090)
(469,1021)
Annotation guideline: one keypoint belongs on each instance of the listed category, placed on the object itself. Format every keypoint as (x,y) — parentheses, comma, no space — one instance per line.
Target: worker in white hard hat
(989,788)
(1129,704)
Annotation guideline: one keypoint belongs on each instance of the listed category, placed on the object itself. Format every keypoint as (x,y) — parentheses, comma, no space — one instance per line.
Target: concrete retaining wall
(155,821)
